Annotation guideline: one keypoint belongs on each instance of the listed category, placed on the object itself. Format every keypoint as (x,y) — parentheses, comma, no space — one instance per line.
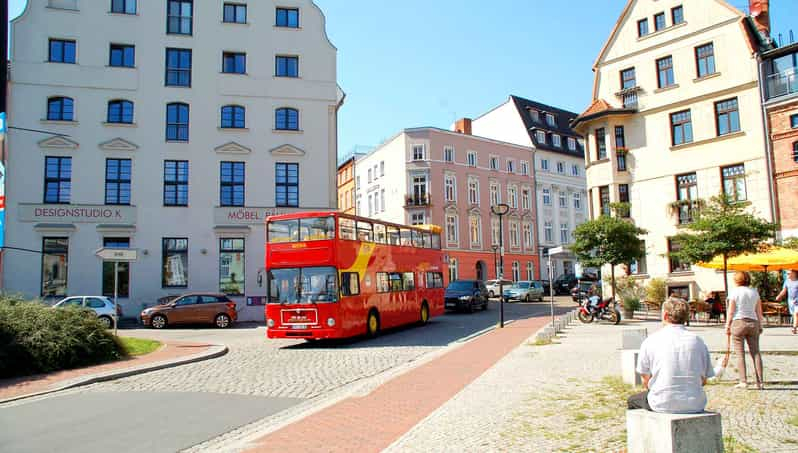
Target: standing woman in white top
(743,322)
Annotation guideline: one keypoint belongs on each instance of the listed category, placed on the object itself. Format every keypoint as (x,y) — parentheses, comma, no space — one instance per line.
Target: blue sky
(416,63)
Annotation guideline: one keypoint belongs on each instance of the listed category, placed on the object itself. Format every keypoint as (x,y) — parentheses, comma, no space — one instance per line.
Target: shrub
(657,290)
(35,338)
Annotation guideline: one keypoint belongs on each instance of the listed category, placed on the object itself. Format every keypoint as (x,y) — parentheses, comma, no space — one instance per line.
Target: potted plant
(630,292)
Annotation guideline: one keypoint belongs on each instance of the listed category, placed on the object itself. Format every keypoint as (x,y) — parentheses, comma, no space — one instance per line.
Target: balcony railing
(629,97)
(417,200)
(785,82)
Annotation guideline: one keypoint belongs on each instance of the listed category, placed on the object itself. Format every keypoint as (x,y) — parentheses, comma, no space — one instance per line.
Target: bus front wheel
(424,313)
(373,324)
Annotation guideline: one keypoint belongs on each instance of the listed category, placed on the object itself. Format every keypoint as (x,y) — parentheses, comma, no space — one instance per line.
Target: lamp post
(495,261)
(501,210)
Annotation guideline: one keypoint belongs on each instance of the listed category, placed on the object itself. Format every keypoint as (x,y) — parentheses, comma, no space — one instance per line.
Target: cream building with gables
(676,117)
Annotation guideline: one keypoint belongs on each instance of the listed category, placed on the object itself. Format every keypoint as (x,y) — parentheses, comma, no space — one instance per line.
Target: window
(514,238)
(540,137)
(178,67)
(175,183)
(231,183)
(794,121)
(418,152)
(530,270)
(472,159)
(494,230)
(516,271)
(174,263)
(494,163)
(510,166)
(233,117)
(527,228)
(623,197)
(795,152)
(122,55)
(659,21)
(453,274)
(117,181)
(526,199)
(604,200)
(350,283)
(556,140)
(628,79)
(123,6)
(675,264)
(601,144)
(665,76)
(177,122)
(419,187)
(575,170)
(60,109)
(638,267)
(550,120)
(681,128)
(369,176)
(620,157)
(123,270)
(620,138)
(449,191)
(565,235)
(524,167)
(120,112)
(473,191)
(417,218)
(475,230)
(571,144)
(547,197)
(371,205)
(544,164)
(563,200)
(286,66)
(705,60)
(62,51)
(642,27)
(577,201)
(727,116)
(434,280)
(677,15)
(286,119)
(734,182)
(548,231)
(561,168)
(382,199)
(448,154)
(287,185)
(55,258)
(534,115)
(287,17)
(231,266)
(234,63)
(686,195)
(179,17)
(234,13)
(451,229)
(57,179)
(512,196)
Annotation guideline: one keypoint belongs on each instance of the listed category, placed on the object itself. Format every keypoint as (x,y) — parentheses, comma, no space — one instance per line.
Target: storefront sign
(252,216)
(53,213)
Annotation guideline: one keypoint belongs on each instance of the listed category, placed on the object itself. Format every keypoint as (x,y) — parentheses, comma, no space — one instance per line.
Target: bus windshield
(300,230)
(303,285)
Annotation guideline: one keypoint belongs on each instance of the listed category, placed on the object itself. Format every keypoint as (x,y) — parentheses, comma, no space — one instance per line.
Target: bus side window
(346,229)
(407,281)
(427,240)
(406,239)
(393,235)
(417,240)
(396,281)
(434,280)
(383,286)
(364,231)
(436,241)
(350,283)
(379,233)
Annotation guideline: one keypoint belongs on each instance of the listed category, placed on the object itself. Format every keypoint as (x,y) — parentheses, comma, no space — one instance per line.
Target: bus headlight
(270,322)
(331,322)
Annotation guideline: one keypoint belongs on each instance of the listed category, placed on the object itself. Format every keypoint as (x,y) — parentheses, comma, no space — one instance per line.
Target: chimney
(463,126)
(760,13)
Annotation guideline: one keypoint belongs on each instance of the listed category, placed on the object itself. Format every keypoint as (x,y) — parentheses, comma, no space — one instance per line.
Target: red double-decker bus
(332,275)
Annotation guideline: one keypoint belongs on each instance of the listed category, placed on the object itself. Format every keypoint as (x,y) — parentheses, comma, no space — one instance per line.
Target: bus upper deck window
(364,231)
(405,237)
(417,239)
(346,229)
(436,241)
(317,229)
(393,235)
(427,240)
(283,231)
(379,234)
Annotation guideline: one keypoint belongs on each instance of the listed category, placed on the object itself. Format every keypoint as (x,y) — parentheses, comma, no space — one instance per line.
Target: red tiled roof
(598,105)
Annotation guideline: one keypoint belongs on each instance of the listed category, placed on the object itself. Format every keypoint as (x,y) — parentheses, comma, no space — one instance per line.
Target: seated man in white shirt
(674,365)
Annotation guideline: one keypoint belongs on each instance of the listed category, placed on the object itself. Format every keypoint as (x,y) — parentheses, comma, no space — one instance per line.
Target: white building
(559,167)
(184,124)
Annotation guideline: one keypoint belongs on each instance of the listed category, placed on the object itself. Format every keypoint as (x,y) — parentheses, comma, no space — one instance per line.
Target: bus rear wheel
(373,324)
(424,313)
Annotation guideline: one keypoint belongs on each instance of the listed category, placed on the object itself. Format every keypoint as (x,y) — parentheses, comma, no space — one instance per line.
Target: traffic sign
(111,254)
(556,250)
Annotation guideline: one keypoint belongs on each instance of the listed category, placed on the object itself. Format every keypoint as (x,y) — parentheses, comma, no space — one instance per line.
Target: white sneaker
(741,385)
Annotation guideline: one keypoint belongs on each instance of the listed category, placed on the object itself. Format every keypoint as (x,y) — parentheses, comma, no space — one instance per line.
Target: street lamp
(495,261)
(501,210)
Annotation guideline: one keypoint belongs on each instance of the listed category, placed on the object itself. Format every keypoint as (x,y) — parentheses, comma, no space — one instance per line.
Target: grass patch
(732,445)
(541,342)
(138,346)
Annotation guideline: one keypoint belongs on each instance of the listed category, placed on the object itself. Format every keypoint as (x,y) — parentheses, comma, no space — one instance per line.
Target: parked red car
(194,308)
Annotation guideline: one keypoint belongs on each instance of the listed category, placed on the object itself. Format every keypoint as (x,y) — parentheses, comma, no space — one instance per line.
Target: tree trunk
(725,276)
(612,280)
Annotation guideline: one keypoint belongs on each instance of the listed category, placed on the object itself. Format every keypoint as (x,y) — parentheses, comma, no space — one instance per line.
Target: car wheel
(222,321)
(527,298)
(424,313)
(373,324)
(158,322)
(491,295)
(106,321)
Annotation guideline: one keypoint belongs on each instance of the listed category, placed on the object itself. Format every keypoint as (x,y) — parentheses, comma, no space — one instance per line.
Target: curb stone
(551,329)
(214,351)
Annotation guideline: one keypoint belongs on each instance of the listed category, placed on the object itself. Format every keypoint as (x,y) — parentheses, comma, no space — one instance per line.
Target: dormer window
(534,115)
(556,140)
(540,137)
(550,119)
(571,144)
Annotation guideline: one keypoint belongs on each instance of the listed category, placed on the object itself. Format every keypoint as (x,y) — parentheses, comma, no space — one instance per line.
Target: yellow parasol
(774,259)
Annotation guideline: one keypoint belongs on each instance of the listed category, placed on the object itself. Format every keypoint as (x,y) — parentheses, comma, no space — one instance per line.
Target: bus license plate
(299,326)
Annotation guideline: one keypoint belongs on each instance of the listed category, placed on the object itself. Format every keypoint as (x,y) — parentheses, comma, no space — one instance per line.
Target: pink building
(451,179)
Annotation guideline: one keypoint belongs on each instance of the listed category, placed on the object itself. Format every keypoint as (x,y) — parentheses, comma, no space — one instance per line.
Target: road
(176,408)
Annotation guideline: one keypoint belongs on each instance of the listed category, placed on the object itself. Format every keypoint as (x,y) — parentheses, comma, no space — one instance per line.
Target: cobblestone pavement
(567,396)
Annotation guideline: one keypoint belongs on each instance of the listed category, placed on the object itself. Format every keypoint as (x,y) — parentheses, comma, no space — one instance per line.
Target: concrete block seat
(653,432)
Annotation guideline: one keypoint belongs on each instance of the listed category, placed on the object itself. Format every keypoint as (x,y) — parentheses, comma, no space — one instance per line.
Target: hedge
(35,338)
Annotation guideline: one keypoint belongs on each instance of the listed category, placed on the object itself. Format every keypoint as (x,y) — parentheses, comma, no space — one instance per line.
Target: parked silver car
(102,306)
(524,290)
(493,286)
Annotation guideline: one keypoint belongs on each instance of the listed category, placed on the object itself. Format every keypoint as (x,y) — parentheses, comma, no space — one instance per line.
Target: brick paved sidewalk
(371,423)
(169,351)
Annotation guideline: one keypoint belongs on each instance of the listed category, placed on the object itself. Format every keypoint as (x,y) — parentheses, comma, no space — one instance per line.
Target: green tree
(722,227)
(790,243)
(608,240)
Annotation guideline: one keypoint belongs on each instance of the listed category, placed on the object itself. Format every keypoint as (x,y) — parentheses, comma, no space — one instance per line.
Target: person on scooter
(674,365)
(594,296)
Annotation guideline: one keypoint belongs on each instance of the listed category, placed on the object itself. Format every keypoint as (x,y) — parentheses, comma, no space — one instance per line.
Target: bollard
(629,367)
(632,338)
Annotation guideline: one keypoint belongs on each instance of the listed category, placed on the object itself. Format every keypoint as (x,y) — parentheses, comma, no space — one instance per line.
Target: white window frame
(540,136)
(450,187)
(448,153)
(556,140)
(550,119)
(564,233)
(575,170)
(546,193)
(382,168)
(382,200)
(571,144)
(473,184)
(524,168)
(563,199)
(510,166)
(527,233)
(494,230)
(415,214)
(516,271)
(577,201)
(544,164)
(456,224)
(475,237)
(515,239)
(512,196)
(526,198)
(472,158)
(494,162)
(495,194)
(560,168)
(530,270)
(548,231)
(422,154)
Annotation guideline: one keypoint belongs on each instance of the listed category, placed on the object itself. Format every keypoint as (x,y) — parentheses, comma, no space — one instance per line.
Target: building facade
(346,183)
(452,179)
(780,94)
(676,118)
(560,191)
(174,127)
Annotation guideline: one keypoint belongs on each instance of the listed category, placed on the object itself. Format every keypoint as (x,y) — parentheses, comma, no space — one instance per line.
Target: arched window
(120,112)
(60,109)
(287,119)
(233,117)
(177,122)
(795,152)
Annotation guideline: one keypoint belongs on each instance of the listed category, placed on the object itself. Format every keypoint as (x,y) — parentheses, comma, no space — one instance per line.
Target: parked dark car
(564,283)
(466,295)
(194,308)
(546,287)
